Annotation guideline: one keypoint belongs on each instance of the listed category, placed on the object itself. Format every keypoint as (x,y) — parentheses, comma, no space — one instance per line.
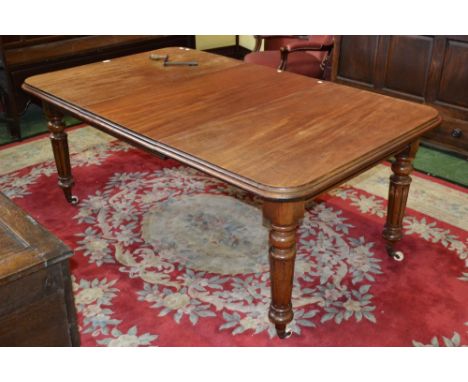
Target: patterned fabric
(168,256)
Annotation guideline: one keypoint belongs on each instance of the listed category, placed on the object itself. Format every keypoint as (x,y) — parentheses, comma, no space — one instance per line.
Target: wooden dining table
(282,136)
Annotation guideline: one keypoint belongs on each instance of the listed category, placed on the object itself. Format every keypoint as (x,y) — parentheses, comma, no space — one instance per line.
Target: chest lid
(25,246)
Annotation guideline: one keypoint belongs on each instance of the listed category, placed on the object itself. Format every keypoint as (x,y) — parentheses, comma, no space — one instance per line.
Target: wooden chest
(36,300)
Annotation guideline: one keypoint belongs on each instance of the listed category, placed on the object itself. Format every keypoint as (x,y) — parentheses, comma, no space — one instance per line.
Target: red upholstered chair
(305,55)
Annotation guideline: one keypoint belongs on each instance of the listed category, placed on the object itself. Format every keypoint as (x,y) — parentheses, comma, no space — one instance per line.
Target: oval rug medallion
(212,233)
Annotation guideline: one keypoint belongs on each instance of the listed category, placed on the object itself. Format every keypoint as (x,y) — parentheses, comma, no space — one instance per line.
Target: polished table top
(277,134)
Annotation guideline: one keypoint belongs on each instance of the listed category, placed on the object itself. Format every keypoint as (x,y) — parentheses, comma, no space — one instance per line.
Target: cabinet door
(355,60)
(448,92)
(407,66)
(452,84)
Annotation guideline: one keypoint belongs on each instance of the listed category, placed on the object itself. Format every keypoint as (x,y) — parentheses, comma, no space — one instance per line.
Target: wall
(214,41)
(217,41)
(247,41)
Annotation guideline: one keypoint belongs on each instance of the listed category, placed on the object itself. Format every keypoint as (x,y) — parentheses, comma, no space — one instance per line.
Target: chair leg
(397,197)
(258,43)
(284,59)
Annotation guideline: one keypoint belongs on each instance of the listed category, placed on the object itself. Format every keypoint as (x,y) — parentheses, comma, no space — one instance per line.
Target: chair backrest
(277,43)
(325,40)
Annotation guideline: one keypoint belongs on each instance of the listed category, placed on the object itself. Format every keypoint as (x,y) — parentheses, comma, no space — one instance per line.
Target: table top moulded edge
(305,191)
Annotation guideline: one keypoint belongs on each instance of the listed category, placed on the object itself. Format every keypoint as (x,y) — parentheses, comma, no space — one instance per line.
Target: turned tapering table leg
(398,194)
(284,218)
(59,141)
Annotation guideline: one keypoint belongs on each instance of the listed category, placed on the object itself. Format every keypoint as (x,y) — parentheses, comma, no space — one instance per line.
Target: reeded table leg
(398,194)
(284,218)
(59,141)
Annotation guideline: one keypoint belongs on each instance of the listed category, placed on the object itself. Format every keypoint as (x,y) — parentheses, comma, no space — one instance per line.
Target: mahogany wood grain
(279,135)
(282,136)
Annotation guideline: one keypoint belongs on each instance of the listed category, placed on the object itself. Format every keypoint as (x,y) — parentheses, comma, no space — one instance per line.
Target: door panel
(453,85)
(357,59)
(407,66)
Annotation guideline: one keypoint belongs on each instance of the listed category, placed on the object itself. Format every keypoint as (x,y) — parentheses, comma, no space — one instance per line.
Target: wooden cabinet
(36,301)
(426,69)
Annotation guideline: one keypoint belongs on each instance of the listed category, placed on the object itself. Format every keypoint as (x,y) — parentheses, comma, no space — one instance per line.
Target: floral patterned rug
(168,256)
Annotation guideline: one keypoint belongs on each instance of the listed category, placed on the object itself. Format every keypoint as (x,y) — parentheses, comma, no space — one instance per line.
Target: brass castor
(396,255)
(74,200)
(283,332)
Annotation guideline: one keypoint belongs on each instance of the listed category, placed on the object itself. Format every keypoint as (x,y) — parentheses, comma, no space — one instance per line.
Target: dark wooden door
(426,69)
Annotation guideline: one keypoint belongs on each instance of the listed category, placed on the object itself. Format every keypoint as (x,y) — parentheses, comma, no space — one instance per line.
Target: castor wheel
(397,255)
(74,200)
(283,334)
